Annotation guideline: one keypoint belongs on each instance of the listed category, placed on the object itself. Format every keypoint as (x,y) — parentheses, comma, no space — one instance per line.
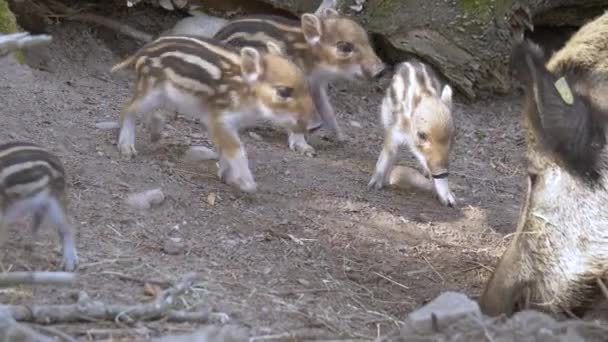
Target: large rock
(453,317)
(468,41)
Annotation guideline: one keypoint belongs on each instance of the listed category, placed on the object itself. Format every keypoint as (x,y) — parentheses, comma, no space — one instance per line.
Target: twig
(37,278)
(137,280)
(480,265)
(299,336)
(54,332)
(434,270)
(197,317)
(391,280)
(296,291)
(98,334)
(101,262)
(86,309)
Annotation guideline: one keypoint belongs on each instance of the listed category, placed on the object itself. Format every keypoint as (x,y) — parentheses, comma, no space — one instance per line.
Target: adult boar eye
(284,92)
(345,47)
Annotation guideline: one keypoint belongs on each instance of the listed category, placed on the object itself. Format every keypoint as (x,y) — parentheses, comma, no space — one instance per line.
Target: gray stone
(199,24)
(200,153)
(146,199)
(107,125)
(173,246)
(448,308)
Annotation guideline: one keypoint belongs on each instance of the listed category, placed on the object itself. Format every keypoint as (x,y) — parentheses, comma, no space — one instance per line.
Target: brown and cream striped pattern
(26,169)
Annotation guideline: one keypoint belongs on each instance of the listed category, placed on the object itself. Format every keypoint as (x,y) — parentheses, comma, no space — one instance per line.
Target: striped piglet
(32,181)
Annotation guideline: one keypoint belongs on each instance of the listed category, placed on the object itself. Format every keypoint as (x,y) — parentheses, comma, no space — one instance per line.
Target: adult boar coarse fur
(560,248)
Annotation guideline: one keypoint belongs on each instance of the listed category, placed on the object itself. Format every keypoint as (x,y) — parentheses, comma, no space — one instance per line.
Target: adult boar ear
(563,122)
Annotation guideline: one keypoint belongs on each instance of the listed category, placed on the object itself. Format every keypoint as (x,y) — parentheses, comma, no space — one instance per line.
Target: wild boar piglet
(326,46)
(559,253)
(417,111)
(32,182)
(226,88)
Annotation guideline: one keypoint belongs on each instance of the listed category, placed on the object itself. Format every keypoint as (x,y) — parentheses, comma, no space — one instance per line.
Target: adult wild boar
(560,248)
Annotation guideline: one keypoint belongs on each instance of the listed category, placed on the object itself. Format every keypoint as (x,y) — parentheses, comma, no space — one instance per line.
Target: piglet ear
(406,88)
(274,48)
(311,27)
(251,64)
(329,12)
(446,95)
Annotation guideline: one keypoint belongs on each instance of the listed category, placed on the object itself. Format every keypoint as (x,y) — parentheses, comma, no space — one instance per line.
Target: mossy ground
(8,24)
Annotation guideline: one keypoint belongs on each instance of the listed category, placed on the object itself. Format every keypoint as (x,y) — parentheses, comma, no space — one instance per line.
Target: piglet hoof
(314,126)
(70,262)
(337,138)
(448,200)
(377,181)
(304,149)
(248,186)
(155,136)
(224,174)
(127,151)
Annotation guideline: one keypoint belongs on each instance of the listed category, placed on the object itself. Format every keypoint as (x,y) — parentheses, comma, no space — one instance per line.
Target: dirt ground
(313,248)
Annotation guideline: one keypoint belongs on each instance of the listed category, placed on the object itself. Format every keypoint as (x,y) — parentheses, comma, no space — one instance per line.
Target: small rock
(166,4)
(304,282)
(199,153)
(146,199)
(199,24)
(448,307)
(107,125)
(167,163)
(255,136)
(173,246)
(196,136)
(355,124)
(211,199)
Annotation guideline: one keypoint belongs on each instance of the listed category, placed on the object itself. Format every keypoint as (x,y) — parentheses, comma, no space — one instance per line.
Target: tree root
(113,25)
(57,10)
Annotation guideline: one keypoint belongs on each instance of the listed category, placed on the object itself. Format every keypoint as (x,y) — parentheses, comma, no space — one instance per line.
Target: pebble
(355,124)
(173,246)
(107,125)
(198,153)
(146,199)
(255,136)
